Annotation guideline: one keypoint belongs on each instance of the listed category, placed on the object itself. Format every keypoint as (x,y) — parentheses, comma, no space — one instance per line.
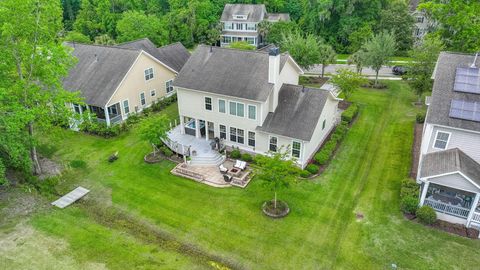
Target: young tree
(277,170)
(74,36)
(33,64)
(280,29)
(378,50)
(305,50)
(357,59)
(348,81)
(327,56)
(135,25)
(358,37)
(420,69)
(263,29)
(397,19)
(104,40)
(153,129)
(242,45)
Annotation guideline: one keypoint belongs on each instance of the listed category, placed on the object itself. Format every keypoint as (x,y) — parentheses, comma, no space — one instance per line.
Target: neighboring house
(422,24)
(118,80)
(449,169)
(252,100)
(240,23)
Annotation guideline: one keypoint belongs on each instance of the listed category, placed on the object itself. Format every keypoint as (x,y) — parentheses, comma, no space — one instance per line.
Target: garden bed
(150,159)
(417,143)
(281,211)
(457,229)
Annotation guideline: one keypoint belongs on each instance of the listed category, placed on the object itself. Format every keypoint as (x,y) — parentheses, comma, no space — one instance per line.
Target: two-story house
(240,23)
(118,80)
(422,23)
(449,169)
(252,100)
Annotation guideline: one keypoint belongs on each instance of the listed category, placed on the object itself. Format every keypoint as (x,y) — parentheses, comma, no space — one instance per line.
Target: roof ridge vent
(474,61)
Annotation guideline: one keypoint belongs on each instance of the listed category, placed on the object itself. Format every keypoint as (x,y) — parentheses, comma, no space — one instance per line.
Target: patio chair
(222,169)
(227,178)
(240,164)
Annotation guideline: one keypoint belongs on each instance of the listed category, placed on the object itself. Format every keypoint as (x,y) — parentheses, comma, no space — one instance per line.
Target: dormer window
(240,17)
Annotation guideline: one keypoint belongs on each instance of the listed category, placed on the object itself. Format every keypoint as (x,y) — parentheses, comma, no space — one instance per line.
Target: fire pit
(234,171)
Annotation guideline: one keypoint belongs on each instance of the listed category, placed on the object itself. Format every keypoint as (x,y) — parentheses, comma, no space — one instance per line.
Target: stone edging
(275,216)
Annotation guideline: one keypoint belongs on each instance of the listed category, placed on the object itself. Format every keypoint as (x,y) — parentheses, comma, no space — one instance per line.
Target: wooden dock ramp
(71,197)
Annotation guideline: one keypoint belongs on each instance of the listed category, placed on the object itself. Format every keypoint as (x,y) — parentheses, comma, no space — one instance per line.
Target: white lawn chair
(240,164)
(223,169)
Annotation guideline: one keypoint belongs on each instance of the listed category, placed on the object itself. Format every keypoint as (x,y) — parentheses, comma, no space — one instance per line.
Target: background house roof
(174,55)
(449,161)
(256,13)
(297,113)
(99,71)
(443,94)
(276,17)
(229,72)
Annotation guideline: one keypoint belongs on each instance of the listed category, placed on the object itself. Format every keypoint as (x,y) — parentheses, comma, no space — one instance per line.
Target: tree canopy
(304,49)
(153,129)
(347,81)
(378,50)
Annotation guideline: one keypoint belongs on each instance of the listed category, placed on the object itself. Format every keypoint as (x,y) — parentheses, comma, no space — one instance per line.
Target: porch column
(424,192)
(206,130)
(182,124)
(107,116)
(198,135)
(472,208)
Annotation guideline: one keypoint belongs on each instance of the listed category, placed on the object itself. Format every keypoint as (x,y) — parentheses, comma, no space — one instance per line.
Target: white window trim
(248,112)
(435,139)
(211,103)
(300,150)
(254,138)
(166,88)
(269,138)
(154,93)
(123,107)
(153,74)
(226,131)
(245,113)
(226,105)
(144,98)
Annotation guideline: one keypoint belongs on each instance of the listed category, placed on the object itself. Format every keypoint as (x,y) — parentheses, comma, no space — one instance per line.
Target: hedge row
(349,114)
(409,192)
(324,155)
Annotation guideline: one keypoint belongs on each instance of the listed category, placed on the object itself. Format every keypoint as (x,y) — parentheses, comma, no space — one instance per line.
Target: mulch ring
(268,208)
(343,105)
(452,228)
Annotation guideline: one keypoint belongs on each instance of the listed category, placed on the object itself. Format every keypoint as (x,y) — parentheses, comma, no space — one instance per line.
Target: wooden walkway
(71,197)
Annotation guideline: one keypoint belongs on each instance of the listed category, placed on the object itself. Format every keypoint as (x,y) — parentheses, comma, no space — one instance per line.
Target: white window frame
(232,133)
(248,111)
(143,102)
(220,131)
(436,138)
(299,150)
(254,138)
(168,85)
(224,105)
(153,93)
(243,104)
(243,136)
(269,143)
(152,74)
(205,103)
(128,106)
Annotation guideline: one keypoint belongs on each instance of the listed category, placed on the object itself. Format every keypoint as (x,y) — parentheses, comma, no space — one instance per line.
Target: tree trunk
(154,150)
(275,201)
(323,70)
(376,77)
(33,153)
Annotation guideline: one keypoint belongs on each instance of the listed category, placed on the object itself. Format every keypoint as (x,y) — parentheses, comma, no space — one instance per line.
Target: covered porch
(112,115)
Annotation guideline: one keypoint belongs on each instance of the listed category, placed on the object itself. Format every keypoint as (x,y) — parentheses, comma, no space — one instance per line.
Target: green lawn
(341,58)
(170,222)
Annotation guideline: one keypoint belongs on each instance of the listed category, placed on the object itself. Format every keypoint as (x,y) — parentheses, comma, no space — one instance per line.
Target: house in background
(118,80)
(250,100)
(240,23)
(422,23)
(449,169)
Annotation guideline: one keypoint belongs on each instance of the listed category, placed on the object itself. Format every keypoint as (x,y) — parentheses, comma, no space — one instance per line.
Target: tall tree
(135,25)
(397,19)
(378,50)
(420,69)
(278,30)
(305,50)
(96,17)
(33,63)
(357,59)
(154,129)
(457,23)
(327,56)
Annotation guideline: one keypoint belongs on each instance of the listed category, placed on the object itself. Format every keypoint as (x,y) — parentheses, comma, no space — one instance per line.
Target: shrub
(79,164)
(409,204)
(167,152)
(340,131)
(350,113)
(305,174)
(426,215)
(247,157)
(235,154)
(420,118)
(133,118)
(3,179)
(100,129)
(409,188)
(312,168)
(163,103)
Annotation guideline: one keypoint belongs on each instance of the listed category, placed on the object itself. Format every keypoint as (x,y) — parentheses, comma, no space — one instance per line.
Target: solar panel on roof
(467,80)
(466,110)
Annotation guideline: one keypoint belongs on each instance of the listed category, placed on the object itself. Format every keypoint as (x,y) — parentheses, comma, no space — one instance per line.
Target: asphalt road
(385,71)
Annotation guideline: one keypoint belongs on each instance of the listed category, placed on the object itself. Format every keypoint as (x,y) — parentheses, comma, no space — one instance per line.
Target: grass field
(140,216)
(341,58)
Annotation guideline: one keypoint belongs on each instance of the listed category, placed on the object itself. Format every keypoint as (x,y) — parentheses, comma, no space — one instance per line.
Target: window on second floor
(420,19)
(441,140)
(237,109)
(252,112)
(169,86)
(208,103)
(251,26)
(148,74)
(239,26)
(273,144)
(228,26)
(222,106)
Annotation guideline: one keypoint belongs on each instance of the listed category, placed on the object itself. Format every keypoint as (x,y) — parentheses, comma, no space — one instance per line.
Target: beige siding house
(120,80)
(251,100)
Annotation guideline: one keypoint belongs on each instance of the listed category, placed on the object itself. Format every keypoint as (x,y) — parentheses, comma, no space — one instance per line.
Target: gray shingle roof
(276,17)
(230,72)
(442,94)
(447,161)
(174,55)
(256,13)
(297,113)
(99,71)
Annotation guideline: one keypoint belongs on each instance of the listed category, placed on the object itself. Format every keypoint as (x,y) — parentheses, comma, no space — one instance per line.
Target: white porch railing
(447,208)
(177,147)
(476,217)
